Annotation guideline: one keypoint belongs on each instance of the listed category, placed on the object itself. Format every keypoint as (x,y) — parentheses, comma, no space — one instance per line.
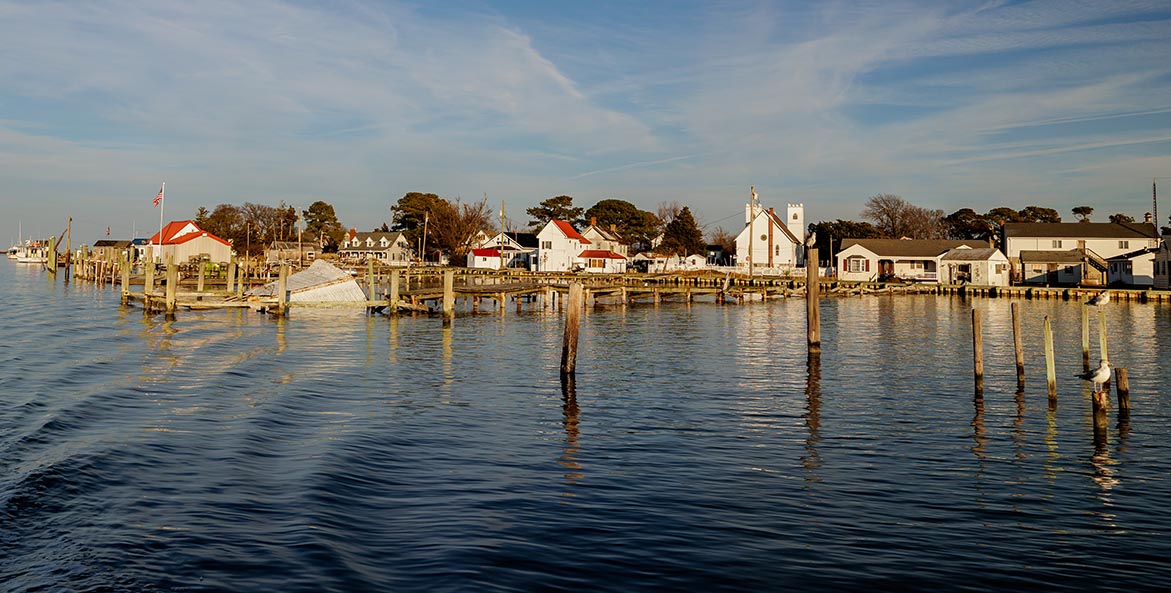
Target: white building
(389,248)
(1136,268)
(1093,242)
(559,246)
(184,241)
(908,259)
(770,243)
(984,266)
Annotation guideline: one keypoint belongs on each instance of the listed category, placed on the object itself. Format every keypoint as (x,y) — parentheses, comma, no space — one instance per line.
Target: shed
(985,266)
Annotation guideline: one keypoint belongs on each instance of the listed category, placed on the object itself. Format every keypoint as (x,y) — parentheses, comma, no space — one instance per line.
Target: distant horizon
(968,104)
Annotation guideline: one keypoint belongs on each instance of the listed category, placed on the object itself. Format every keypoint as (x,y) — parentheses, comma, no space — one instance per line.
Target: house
(1162,266)
(519,250)
(184,241)
(602,261)
(302,252)
(558,247)
(389,248)
(909,259)
(1135,268)
(1050,268)
(769,242)
(716,256)
(983,266)
(112,250)
(1094,242)
(485,258)
(606,239)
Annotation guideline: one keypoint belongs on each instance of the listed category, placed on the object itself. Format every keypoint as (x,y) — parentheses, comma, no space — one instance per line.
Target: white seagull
(1099,375)
(1099,299)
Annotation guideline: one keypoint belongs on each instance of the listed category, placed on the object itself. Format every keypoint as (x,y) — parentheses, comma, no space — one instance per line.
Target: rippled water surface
(332,451)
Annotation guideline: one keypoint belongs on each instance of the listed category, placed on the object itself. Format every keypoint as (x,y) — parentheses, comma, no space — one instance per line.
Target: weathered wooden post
(371,290)
(1018,350)
(172,284)
(282,291)
(125,278)
(51,264)
(231,288)
(393,298)
(1050,371)
(449,296)
(572,325)
(978,350)
(1102,349)
(813,304)
(202,273)
(1085,338)
(1123,377)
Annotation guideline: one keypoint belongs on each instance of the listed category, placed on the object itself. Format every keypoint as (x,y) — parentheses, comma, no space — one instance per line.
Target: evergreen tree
(682,235)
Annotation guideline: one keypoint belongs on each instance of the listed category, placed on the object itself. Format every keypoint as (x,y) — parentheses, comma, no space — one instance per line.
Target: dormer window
(383,242)
(369,242)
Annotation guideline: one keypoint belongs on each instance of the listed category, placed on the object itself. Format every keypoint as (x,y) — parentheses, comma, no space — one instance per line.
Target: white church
(770,243)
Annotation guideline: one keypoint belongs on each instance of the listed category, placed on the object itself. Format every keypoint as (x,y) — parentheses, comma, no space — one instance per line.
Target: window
(794,216)
(777,249)
(597,263)
(546,245)
(764,237)
(1124,244)
(1057,243)
(857,264)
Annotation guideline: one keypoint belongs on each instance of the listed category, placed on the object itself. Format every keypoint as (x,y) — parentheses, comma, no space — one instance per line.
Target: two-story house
(390,248)
(1071,252)
(559,245)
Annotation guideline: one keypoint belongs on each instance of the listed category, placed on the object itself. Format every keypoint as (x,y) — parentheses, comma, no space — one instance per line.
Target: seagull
(1099,299)
(1099,375)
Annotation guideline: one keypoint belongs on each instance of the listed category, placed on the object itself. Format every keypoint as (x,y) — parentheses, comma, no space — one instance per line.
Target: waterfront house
(770,243)
(559,246)
(983,266)
(606,239)
(389,248)
(1162,266)
(302,252)
(111,250)
(1093,243)
(1050,268)
(886,259)
(519,251)
(184,241)
(602,261)
(485,258)
(1134,268)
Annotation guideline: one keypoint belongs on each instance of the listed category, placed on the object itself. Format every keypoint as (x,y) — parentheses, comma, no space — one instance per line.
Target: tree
(453,225)
(412,212)
(226,222)
(682,236)
(1083,213)
(638,227)
(556,208)
(320,220)
(725,240)
(1121,218)
(1039,214)
(897,218)
(966,223)
(667,211)
(831,234)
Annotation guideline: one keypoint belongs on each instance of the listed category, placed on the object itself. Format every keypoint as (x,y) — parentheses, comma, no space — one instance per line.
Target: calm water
(228,451)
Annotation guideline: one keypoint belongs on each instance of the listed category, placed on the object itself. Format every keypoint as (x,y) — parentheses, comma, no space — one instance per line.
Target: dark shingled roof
(1081,230)
(1072,256)
(910,247)
(526,240)
(981,254)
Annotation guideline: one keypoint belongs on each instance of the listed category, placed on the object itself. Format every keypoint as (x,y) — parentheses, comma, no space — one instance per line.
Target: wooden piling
(813,305)
(1018,350)
(1102,348)
(371,290)
(172,284)
(1050,370)
(148,273)
(1122,375)
(449,296)
(1085,338)
(231,276)
(978,350)
(394,274)
(282,290)
(572,325)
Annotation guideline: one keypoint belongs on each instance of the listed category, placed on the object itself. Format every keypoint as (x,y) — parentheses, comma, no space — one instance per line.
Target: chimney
(1147,218)
(770,211)
(593,221)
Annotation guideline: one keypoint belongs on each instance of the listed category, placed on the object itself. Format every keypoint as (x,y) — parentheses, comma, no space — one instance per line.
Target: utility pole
(751,231)
(423,245)
(500,241)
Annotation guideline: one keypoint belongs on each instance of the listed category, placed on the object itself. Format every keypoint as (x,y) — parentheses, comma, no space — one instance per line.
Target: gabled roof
(111,243)
(599,254)
(526,240)
(605,234)
(391,237)
(171,234)
(570,232)
(778,221)
(1081,230)
(910,247)
(966,254)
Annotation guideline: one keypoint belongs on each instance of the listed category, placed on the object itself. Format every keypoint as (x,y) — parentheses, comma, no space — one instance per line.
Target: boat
(33,252)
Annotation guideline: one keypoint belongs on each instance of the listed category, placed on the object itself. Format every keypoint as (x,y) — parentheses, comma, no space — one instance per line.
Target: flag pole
(162,206)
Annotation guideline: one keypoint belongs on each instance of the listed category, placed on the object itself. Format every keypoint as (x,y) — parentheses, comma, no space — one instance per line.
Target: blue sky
(949,105)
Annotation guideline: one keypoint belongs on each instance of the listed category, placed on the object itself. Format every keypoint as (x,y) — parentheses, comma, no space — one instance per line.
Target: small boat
(33,252)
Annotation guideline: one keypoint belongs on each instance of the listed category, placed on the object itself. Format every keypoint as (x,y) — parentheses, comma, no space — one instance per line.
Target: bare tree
(453,225)
(897,218)
(667,211)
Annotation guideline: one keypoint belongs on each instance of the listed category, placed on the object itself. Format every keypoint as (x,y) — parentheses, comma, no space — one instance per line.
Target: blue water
(698,451)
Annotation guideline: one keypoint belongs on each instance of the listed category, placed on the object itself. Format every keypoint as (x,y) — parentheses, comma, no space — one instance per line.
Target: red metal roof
(169,238)
(599,254)
(570,232)
(486,253)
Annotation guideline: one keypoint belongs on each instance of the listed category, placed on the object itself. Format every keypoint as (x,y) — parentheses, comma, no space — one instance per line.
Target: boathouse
(183,241)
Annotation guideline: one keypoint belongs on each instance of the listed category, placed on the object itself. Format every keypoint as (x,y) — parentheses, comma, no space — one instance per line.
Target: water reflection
(811,461)
(1018,426)
(571,419)
(979,433)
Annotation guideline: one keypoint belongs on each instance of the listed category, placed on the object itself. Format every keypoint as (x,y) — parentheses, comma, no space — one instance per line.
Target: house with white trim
(558,247)
(908,259)
(184,241)
(982,266)
(519,251)
(1093,243)
(770,243)
(389,248)
(1134,269)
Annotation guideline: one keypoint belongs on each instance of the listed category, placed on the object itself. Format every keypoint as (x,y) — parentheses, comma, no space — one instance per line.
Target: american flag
(158,197)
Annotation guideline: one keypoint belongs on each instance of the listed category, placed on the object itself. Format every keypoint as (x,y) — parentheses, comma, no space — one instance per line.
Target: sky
(946,104)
